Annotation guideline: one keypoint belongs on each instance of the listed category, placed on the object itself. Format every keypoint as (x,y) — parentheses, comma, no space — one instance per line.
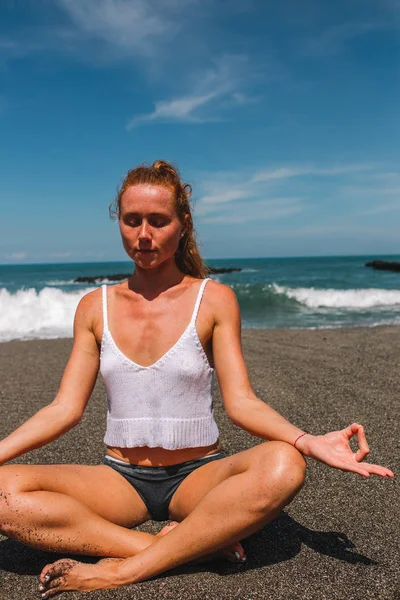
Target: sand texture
(339,539)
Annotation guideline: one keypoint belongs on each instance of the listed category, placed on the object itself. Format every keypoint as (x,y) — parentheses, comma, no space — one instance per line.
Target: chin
(152,263)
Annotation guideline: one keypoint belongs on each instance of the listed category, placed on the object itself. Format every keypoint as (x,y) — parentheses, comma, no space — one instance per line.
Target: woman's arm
(241,404)
(75,389)
(247,411)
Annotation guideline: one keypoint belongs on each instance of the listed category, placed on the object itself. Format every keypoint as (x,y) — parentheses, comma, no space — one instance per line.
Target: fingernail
(41,588)
(237,555)
(244,558)
(47,578)
(44,595)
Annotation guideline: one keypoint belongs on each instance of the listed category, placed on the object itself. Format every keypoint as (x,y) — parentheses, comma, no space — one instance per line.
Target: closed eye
(154,220)
(157,222)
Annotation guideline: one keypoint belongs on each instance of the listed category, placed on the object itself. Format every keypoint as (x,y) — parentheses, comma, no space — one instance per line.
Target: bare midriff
(160,457)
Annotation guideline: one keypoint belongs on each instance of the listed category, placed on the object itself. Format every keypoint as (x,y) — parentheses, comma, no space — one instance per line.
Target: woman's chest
(145,334)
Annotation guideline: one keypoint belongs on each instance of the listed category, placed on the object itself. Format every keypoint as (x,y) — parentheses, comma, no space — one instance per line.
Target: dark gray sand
(339,539)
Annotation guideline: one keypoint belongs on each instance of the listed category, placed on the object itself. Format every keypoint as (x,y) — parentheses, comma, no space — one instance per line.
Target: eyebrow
(133,213)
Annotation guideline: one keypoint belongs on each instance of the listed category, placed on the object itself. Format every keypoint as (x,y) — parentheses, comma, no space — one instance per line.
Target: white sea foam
(27,314)
(58,282)
(347,299)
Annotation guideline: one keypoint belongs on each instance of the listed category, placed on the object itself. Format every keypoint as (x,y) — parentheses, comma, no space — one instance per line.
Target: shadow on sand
(279,541)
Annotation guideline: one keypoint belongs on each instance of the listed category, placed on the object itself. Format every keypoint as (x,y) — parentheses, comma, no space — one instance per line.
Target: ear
(184,225)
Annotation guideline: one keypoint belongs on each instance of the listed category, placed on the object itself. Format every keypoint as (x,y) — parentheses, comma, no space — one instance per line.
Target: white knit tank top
(168,403)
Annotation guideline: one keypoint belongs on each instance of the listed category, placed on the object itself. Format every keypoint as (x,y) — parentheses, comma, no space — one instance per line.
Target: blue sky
(282,115)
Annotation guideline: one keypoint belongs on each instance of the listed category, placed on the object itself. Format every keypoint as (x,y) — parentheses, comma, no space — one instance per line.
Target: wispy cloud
(334,39)
(130,26)
(17,256)
(382,208)
(259,210)
(287,172)
(270,194)
(224,82)
(61,254)
(376,192)
(101,31)
(178,109)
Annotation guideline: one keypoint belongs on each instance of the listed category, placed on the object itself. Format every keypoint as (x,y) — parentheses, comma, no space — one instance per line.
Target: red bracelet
(297,439)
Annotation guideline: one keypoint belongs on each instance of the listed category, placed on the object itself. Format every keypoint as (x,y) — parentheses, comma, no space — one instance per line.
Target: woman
(155,338)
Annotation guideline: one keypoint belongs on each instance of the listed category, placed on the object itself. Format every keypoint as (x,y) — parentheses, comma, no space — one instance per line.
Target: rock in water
(384,265)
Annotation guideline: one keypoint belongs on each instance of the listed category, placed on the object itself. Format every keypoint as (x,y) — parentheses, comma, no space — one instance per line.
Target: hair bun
(162,165)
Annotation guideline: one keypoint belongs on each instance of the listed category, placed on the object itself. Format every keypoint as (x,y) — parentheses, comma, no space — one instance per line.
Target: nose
(144,232)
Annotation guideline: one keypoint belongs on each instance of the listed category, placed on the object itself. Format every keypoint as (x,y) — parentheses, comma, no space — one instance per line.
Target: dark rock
(384,265)
(214,270)
(120,276)
(99,278)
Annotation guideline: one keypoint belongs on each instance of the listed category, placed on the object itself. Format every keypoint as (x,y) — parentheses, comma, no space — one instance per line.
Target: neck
(152,282)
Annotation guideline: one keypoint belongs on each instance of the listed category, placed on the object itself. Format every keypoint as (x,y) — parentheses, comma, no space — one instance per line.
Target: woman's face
(149,224)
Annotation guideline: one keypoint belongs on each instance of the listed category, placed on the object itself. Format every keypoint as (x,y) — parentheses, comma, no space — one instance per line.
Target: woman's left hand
(334,449)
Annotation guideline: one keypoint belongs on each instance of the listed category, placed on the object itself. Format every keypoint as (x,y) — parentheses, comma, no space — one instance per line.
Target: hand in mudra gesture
(333,448)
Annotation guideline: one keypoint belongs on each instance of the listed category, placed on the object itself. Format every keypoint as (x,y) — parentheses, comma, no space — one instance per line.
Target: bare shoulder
(221,299)
(89,310)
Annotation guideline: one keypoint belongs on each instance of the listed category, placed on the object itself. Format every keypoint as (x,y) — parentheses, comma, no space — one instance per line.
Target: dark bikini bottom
(157,485)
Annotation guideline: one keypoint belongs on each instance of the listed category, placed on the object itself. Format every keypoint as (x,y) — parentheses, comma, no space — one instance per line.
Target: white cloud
(151,33)
(102,31)
(334,40)
(17,256)
(222,82)
(223,196)
(132,26)
(178,109)
(287,172)
(260,210)
(61,254)
(369,191)
(239,197)
(382,208)
(250,185)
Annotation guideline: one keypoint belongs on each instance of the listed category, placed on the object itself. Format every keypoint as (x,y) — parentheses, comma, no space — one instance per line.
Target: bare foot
(233,553)
(167,528)
(67,575)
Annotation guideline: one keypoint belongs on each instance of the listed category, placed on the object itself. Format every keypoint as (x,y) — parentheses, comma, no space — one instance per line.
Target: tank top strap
(198,301)
(104,299)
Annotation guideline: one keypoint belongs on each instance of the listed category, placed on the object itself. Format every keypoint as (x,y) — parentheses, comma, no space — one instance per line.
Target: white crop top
(168,403)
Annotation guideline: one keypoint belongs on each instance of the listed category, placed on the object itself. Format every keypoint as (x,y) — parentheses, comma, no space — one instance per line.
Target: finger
(367,469)
(351,430)
(363,450)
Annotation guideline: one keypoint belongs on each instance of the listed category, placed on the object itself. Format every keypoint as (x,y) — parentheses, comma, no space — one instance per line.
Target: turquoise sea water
(39,301)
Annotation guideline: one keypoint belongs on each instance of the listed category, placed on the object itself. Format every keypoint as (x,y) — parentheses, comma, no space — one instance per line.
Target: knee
(281,474)
(289,464)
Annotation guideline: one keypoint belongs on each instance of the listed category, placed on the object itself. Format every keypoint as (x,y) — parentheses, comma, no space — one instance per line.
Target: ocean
(39,301)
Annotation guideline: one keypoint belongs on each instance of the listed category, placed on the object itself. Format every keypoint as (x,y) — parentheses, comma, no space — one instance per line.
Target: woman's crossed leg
(73,509)
(218,504)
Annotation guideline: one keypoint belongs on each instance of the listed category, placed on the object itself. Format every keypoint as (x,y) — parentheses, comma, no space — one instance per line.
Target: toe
(239,551)
(56,569)
(167,528)
(235,553)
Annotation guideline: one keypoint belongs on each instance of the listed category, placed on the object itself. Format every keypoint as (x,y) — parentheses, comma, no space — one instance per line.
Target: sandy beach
(339,539)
